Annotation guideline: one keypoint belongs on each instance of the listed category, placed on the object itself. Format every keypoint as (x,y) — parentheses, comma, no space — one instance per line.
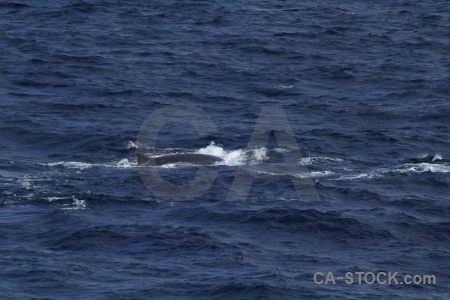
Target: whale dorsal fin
(141,158)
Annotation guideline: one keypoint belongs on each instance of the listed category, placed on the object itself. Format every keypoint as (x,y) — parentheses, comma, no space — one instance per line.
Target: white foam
(285,87)
(174,165)
(313,174)
(281,150)
(214,150)
(402,169)
(131,145)
(437,157)
(52,199)
(122,164)
(306,161)
(422,167)
(136,145)
(72,164)
(230,158)
(26,184)
(77,204)
(358,176)
(260,154)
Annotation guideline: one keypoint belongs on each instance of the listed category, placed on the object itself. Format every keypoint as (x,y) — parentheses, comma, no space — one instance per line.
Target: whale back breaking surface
(192,158)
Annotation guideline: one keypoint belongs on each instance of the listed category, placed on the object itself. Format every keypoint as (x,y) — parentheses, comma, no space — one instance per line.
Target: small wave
(282,150)
(122,164)
(132,145)
(285,87)
(407,168)
(52,199)
(13,5)
(314,174)
(72,165)
(422,167)
(307,161)
(279,90)
(437,157)
(370,175)
(428,158)
(74,203)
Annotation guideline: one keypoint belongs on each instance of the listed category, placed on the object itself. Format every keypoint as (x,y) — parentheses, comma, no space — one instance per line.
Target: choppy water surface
(365,87)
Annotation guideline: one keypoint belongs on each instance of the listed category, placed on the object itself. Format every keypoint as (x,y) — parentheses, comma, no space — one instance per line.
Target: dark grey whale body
(191,158)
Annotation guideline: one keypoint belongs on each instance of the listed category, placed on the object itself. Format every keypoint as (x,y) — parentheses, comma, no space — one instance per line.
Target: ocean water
(365,88)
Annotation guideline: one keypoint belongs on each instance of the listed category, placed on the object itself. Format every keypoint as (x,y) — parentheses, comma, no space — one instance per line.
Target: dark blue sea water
(365,87)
